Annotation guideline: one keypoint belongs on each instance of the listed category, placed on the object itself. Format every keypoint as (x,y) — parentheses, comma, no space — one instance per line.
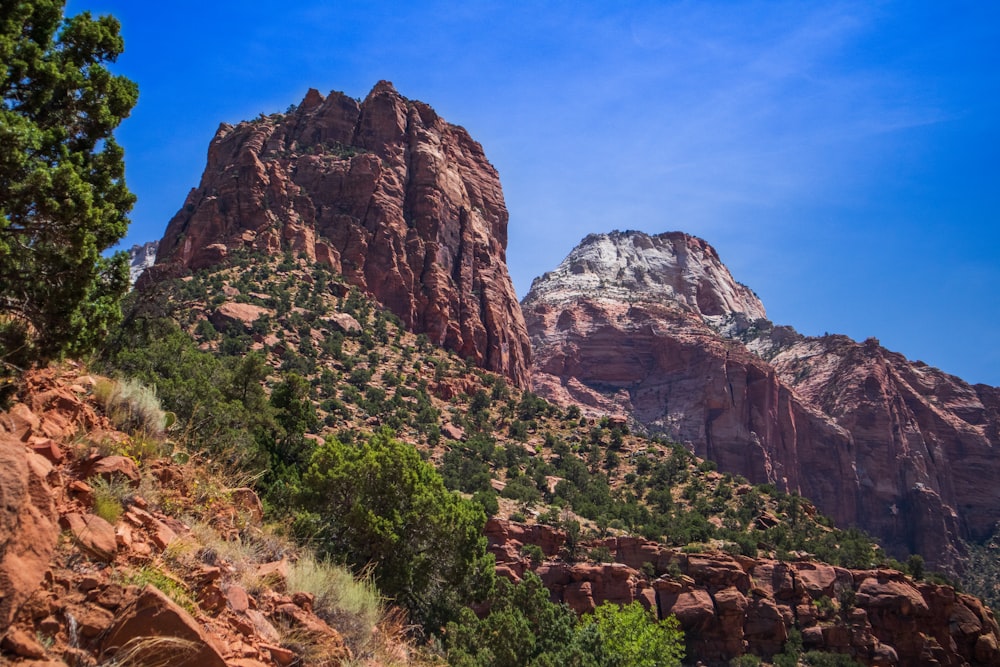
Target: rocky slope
(83,585)
(632,324)
(729,606)
(186,573)
(385,192)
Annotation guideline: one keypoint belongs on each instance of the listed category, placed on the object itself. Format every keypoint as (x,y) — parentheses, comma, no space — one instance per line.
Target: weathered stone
(274,574)
(232,314)
(22,644)
(237,598)
(407,208)
(90,620)
(246,500)
(153,614)
(111,466)
(341,322)
(693,608)
(94,535)
(281,656)
(28,528)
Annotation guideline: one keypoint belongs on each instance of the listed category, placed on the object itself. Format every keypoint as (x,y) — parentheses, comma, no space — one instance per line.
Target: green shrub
(601,554)
(533,552)
(378,502)
(173,589)
(108,497)
(631,635)
(523,628)
(820,659)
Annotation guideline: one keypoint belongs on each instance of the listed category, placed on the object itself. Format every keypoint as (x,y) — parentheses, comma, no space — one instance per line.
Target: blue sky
(841,156)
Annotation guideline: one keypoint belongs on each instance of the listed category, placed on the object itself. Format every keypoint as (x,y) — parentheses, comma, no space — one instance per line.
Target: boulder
(239,315)
(152,616)
(93,534)
(109,467)
(28,527)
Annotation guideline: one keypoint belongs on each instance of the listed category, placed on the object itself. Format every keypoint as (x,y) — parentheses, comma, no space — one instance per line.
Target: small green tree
(631,637)
(523,628)
(63,198)
(379,505)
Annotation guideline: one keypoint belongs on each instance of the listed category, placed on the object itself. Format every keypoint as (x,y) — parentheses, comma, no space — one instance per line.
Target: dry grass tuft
(132,406)
(352,605)
(152,652)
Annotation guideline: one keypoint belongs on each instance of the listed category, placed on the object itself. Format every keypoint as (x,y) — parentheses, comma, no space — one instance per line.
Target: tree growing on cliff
(63,199)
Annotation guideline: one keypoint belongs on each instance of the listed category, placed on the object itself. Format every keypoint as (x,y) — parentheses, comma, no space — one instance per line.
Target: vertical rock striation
(401,203)
(655,327)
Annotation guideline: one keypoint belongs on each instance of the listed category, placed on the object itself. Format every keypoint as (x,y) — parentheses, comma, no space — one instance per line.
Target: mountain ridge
(752,393)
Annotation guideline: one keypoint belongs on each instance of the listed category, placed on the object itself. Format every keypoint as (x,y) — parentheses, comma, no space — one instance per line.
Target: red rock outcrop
(29,525)
(927,443)
(902,450)
(153,614)
(74,602)
(730,606)
(401,203)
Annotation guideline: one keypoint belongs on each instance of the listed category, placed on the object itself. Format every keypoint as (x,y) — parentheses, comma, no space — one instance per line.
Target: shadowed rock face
(401,203)
(656,328)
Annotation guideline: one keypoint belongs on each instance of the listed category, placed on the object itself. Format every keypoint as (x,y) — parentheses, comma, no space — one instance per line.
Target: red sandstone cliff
(927,442)
(655,327)
(401,203)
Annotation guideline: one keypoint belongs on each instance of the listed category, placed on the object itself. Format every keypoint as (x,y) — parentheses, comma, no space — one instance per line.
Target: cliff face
(385,192)
(901,450)
(927,441)
(730,606)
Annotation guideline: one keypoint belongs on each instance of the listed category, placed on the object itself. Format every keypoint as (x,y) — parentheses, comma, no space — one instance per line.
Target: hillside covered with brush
(308,437)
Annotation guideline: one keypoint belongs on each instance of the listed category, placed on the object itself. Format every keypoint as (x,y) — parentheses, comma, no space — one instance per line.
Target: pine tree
(63,198)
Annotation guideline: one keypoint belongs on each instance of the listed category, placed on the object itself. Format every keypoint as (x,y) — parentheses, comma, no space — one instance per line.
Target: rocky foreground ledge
(78,589)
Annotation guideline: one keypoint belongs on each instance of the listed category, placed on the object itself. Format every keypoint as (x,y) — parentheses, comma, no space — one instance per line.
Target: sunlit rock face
(656,328)
(385,192)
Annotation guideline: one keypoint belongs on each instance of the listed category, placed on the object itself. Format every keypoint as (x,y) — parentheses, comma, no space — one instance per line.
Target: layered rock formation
(656,328)
(927,443)
(385,192)
(729,606)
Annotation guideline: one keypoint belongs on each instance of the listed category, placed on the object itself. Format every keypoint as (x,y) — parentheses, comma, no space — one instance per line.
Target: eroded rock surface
(729,606)
(655,327)
(385,192)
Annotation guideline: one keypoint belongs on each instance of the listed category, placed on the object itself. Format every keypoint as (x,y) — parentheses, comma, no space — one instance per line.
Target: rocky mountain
(140,258)
(385,192)
(654,327)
